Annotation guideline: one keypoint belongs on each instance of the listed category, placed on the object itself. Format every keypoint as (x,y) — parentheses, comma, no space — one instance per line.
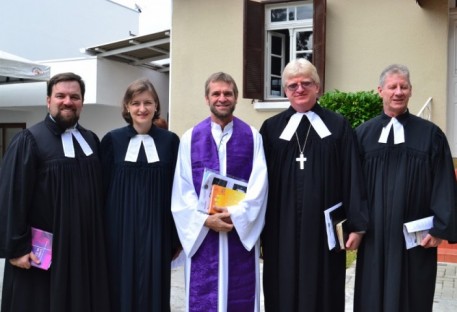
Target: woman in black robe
(138,165)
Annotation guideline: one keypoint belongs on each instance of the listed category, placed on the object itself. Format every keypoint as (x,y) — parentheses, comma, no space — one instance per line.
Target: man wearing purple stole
(222,249)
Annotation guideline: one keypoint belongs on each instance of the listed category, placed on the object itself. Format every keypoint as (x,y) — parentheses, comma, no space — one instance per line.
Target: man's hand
(24,261)
(354,240)
(430,241)
(220,221)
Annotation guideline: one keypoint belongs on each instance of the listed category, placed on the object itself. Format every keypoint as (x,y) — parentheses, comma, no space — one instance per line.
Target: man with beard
(222,249)
(51,181)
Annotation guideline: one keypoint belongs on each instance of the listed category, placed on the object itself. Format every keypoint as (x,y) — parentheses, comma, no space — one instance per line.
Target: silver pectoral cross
(302,160)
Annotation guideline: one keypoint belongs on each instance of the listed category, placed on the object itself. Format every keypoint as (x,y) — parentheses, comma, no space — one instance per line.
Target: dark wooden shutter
(253,50)
(319,18)
(253,46)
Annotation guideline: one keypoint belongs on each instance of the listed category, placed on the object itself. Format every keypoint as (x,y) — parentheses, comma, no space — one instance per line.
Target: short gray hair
(394,69)
(300,67)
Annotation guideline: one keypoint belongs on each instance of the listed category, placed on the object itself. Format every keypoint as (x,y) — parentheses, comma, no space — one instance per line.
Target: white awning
(15,69)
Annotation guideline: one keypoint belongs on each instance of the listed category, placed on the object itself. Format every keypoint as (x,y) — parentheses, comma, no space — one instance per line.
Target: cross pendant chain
(302,158)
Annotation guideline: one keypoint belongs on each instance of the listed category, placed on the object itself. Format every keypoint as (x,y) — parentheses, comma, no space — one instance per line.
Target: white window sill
(271,106)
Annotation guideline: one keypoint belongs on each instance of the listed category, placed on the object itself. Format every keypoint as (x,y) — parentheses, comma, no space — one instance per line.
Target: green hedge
(357,107)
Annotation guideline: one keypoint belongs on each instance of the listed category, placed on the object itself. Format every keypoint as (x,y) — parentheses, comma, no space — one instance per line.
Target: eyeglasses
(304,84)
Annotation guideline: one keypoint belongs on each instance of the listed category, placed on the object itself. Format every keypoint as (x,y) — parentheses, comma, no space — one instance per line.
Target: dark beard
(223,116)
(65,123)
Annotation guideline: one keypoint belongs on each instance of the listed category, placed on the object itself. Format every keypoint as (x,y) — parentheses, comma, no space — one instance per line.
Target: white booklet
(329,225)
(210,178)
(415,231)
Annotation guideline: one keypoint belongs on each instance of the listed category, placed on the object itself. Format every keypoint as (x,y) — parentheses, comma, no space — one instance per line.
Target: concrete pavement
(445,292)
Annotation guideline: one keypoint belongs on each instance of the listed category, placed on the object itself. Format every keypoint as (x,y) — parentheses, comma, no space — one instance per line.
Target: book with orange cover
(211,178)
(223,197)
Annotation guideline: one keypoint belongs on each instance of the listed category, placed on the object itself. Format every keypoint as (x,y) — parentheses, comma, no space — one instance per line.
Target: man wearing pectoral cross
(301,160)
(327,171)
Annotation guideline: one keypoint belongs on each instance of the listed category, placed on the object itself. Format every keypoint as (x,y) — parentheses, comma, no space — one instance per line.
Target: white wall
(29,115)
(56,31)
(155,16)
(99,119)
(22,94)
(106,82)
(50,29)
(114,77)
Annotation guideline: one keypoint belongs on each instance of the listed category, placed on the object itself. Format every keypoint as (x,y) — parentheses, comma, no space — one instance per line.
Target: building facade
(350,42)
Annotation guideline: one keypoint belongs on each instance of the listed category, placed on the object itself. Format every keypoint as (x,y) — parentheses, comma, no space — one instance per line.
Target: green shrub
(357,107)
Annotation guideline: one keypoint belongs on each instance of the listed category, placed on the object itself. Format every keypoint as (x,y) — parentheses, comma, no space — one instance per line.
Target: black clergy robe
(405,182)
(42,188)
(300,273)
(140,232)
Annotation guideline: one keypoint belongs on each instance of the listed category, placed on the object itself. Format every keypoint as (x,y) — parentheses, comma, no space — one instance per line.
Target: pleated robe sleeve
(184,201)
(17,180)
(443,190)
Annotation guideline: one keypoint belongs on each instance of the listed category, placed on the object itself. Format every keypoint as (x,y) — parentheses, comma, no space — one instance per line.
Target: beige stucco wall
(207,36)
(363,36)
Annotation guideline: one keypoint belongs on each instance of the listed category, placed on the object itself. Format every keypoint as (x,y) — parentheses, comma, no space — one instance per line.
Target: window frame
(268,64)
(3,136)
(296,31)
(254,48)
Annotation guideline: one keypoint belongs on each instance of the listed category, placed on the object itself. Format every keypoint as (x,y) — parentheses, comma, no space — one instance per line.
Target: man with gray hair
(410,177)
(313,165)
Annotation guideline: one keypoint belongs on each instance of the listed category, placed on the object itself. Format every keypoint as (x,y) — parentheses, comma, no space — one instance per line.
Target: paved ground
(445,293)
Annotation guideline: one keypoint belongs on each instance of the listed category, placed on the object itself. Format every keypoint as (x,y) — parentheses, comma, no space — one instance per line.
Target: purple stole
(203,289)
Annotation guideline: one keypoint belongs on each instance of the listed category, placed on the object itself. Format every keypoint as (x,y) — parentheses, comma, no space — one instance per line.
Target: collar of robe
(149,147)
(67,143)
(316,121)
(399,132)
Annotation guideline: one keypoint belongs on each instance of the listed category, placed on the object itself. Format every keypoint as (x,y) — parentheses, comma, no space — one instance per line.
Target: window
(276,32)
(7,132)
(288,29)
(276,56)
